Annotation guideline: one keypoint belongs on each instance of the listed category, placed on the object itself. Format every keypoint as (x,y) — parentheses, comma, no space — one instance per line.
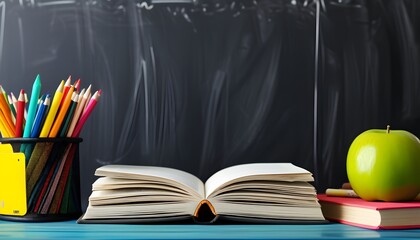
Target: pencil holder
(39,179)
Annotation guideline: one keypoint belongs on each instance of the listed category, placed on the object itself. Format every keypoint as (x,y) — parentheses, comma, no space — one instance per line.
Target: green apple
(385,165)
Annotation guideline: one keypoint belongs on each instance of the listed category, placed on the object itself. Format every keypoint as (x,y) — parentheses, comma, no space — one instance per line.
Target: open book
(263,192)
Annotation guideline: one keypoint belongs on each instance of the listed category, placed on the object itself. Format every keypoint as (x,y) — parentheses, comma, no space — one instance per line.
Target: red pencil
(20,114)
(77,85)
(91,105)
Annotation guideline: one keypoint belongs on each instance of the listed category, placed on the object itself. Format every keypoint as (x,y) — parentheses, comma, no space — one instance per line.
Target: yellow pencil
(341,192)
(53,111)
(62,113)
(333,192)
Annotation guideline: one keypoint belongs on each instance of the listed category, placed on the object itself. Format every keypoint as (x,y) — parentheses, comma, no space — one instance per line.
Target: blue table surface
(72,230)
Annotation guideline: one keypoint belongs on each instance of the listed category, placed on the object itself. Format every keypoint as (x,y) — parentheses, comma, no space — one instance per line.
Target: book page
(265,211)
(134,195)
(108,183)
(256,171)
(170,176)
(139,210)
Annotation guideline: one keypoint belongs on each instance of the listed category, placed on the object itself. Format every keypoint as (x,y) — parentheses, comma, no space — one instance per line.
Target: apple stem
(387,128)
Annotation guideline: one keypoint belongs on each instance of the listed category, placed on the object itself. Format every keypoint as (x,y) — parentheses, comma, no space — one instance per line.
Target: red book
(372,215)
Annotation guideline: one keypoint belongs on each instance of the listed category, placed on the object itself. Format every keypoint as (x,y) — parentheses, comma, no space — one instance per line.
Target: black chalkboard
(202,85)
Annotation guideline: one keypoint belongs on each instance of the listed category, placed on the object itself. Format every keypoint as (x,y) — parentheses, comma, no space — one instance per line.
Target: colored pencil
(77,85)
(26,111)
(7,122)
(14,100)
(61,113)
(36,89)
(91,105)
(5,108)
(40,117)
(53,110)
(12,108)
(67,119)
(83,99)
(4,131)
(20,114)
(89,97)
(66,89)
(4,95)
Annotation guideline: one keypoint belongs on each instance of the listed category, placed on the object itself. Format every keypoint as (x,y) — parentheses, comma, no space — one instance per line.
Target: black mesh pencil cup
(50,177)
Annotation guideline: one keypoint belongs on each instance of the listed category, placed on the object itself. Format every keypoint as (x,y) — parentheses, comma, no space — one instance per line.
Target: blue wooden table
(72,230)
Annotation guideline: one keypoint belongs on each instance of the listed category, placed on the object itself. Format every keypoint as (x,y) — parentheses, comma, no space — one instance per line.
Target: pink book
(371,215)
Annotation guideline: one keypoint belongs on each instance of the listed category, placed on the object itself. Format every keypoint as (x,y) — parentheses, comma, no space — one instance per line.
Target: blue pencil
(40,116)
(36,90)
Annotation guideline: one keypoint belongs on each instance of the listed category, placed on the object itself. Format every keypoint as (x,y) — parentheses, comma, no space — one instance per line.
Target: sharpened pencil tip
(68,81)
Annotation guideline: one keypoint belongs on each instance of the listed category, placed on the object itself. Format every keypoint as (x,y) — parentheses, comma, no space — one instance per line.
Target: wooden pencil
(69,115)
(91,105)
(66,89)
(61,113)
(20,114)
(79,109)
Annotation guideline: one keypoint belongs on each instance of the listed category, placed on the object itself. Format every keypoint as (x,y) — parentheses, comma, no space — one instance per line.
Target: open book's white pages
(140,210)
(171,176)
(256,171)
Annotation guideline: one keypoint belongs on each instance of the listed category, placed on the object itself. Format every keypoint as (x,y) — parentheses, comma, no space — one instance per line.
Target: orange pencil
(62,113)
(5,130)
(66,89)
(20,114)
(5,108)
(4,99)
